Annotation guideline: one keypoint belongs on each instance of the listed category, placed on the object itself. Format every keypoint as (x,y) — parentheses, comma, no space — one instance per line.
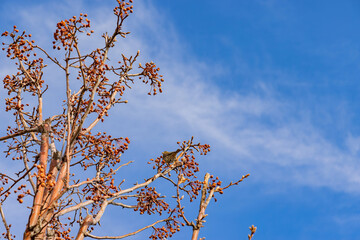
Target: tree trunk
(38,199)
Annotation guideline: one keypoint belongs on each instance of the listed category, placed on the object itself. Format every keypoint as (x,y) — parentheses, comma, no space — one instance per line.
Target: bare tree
(51,150)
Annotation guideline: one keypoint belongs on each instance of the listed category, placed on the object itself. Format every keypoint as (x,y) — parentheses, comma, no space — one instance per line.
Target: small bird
(170,157)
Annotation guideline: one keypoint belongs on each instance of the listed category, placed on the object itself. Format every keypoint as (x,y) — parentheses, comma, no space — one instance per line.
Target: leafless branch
(7,228)
(126,235)
(22,132)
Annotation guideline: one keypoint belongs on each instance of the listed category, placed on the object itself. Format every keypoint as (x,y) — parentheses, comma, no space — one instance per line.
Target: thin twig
(126,235)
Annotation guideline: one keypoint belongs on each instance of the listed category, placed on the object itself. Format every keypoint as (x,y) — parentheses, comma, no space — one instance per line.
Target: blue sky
(273,86)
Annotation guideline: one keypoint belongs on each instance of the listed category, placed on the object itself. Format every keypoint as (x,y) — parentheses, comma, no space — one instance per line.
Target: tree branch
(129,234)
(35,129)
(7,228)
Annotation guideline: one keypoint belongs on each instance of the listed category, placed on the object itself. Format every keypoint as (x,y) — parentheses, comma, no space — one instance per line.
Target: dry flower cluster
(66,205)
